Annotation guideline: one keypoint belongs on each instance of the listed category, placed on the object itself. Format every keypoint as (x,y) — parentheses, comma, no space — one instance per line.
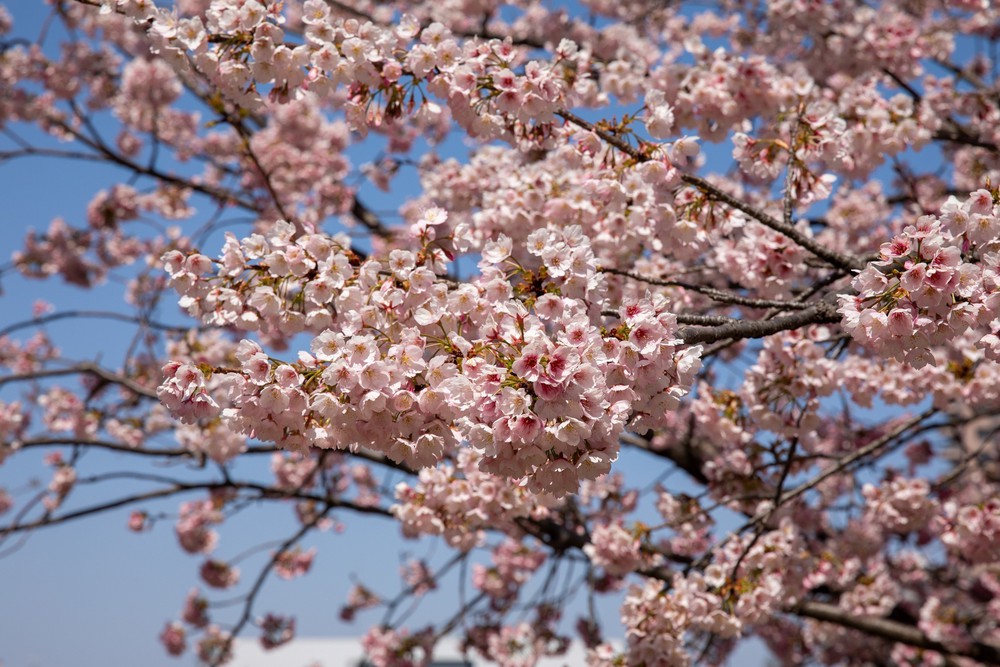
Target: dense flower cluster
(974,530)
(459,502)
(407,364)
(900,505)
(487,86)
(614,549)
(923,291)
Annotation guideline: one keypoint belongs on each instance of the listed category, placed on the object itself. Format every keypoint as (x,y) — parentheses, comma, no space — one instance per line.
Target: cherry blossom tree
(755,244)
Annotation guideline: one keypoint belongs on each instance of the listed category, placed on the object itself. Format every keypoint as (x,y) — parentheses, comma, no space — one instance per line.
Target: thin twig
(711,292)
(91,314)
(258,584)
(83,368)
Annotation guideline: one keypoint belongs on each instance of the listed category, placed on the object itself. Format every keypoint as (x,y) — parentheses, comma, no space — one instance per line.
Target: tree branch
(893,631)
(80,369)
(823,312)
(96,314)
(182,487)
(711,292)
(258,584)
(366,217)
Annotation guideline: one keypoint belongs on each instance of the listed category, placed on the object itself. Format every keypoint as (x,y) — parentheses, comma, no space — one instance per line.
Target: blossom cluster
(900,505)
(742,587)
(973,530)
(408,364)
(926,287)
(614,549)
(193,526)
(460,502)
(487,86)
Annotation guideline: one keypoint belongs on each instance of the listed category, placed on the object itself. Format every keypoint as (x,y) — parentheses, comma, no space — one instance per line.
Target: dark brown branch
(338,6)
(219,194)
(33,151)
(823,312)
(105,444)
(841,465)
(82,369)
(712,293)
(265,176)
(849,460)
(366,217)
(458,616)
(408,591)
(689,318)
(960,135)
(685,455)
(93,509)
(95,314)
(181,487)
(953,131)
(965,75)
(180,452)
(832,257)
(893,631)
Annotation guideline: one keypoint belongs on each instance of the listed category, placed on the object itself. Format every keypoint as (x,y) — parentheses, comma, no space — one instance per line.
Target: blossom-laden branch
(834,258)
(715,294)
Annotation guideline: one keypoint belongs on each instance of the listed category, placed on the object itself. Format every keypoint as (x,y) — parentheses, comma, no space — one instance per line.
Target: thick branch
(893,631)
(95,509)
(105,444)
(366,217)
(821,313)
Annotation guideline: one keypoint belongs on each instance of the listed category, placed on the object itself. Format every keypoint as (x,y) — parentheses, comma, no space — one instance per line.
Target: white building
(347,652)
